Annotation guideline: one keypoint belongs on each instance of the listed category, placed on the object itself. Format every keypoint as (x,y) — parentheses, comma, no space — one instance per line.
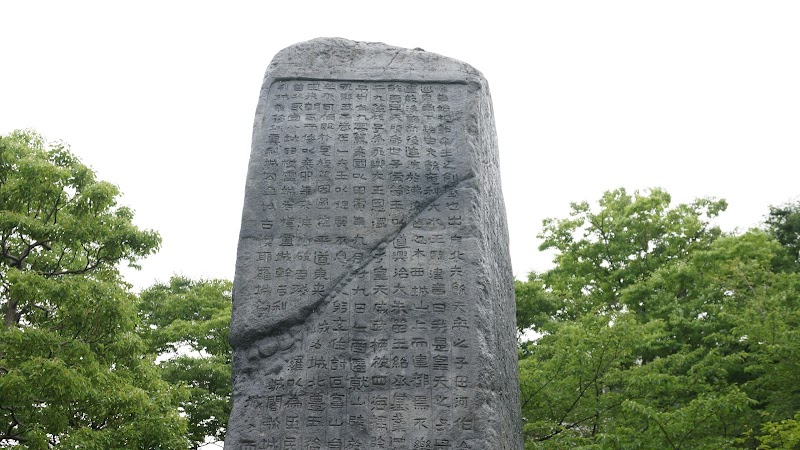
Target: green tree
(783,223)
(72,369)
(657,331)
(187,322)
(571,379)
(783,434)
(601,253)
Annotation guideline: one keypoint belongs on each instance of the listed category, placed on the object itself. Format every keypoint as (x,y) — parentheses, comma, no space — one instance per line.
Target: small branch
(18,260)
(88,268)
(536,392)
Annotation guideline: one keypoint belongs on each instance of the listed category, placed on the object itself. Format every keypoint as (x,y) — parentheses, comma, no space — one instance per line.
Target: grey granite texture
(373,297)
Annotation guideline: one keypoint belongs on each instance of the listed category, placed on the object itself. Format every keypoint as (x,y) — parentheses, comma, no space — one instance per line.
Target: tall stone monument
(373,298)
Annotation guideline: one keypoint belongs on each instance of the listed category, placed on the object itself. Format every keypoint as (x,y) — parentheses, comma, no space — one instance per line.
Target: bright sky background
(701,98)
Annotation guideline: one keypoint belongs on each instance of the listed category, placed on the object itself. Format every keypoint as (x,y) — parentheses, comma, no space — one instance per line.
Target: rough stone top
(337,58)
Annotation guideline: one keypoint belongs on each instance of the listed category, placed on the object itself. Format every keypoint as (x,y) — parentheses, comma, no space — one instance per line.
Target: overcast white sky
(699,97)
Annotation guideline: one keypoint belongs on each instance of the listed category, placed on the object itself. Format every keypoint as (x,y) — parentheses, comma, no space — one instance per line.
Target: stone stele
(373,297)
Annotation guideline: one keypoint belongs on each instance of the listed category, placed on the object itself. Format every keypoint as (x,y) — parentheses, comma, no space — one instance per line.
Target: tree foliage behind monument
(655,329)
(659,331)
(783,223)
(73,372)
(187,322)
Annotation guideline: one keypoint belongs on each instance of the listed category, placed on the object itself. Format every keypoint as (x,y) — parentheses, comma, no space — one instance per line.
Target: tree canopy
(783,223)
(187,323)
(73,372)
(656,330)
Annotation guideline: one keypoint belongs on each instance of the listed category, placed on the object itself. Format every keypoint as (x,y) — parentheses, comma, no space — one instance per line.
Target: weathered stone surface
(373,298)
